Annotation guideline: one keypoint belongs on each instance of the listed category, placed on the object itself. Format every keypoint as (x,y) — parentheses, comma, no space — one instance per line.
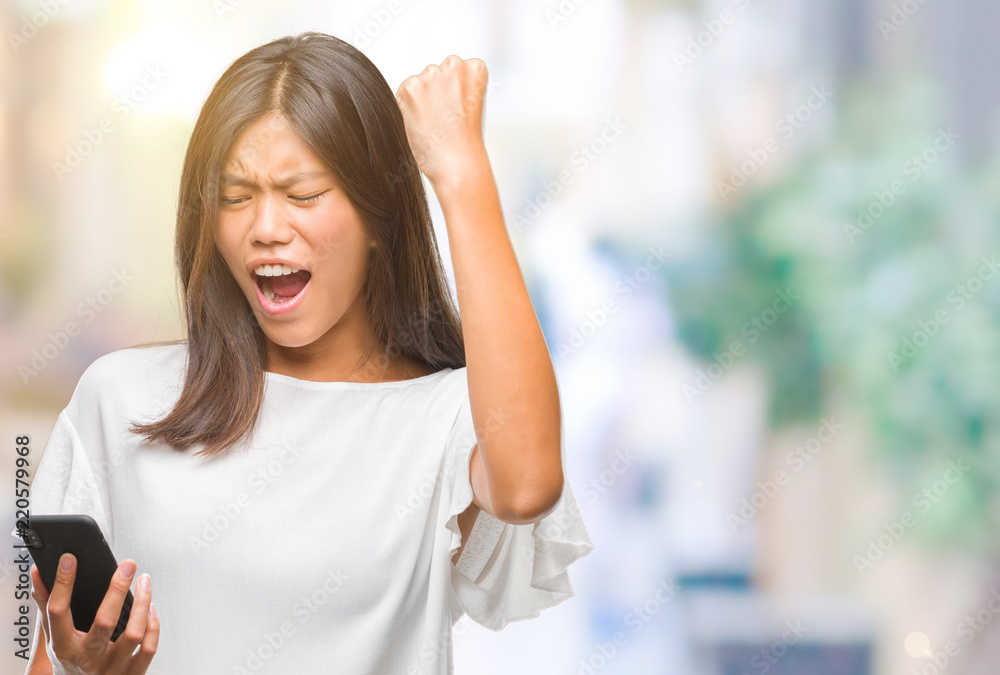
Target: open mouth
(280,286)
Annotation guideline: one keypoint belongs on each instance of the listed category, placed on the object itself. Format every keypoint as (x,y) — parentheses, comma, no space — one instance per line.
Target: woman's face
(281,211)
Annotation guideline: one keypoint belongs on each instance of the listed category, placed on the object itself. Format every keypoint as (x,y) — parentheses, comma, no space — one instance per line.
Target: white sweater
(322,546)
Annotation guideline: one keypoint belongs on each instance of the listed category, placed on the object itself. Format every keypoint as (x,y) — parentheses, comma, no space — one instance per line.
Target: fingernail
(127,569)
(66,562)
(152,611)
(144,582)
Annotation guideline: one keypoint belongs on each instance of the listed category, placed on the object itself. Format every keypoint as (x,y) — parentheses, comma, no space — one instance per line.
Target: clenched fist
(442,110)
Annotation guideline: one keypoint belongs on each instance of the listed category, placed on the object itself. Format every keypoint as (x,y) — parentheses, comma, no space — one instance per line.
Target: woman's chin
(289,339)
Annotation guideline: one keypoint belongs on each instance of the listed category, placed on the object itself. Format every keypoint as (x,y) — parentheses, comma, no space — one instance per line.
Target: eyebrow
(285,182)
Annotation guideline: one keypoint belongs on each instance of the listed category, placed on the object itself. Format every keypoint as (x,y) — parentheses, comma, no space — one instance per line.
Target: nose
(270,223)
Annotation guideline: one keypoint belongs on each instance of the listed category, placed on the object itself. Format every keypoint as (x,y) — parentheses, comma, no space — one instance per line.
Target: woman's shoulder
(125,361)
(126,372)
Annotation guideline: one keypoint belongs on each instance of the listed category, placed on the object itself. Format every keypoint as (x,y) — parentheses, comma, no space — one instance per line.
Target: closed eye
(297,200)
(311,198)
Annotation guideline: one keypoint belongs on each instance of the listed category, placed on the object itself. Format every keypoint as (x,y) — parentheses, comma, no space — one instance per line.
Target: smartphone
(48,537)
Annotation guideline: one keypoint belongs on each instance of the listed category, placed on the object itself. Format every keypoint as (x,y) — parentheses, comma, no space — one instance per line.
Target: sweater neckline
(315,384)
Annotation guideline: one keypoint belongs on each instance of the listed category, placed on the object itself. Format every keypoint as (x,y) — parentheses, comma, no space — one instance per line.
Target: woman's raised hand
(443,113)
(72,652)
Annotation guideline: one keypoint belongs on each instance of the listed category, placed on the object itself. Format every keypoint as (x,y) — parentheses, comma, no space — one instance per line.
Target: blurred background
(761,238)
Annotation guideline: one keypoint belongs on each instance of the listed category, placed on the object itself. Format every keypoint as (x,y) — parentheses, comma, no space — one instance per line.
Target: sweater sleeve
(507,572)
(67,481)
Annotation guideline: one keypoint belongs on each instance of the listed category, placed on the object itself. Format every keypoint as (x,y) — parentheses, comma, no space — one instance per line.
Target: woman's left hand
(443,113)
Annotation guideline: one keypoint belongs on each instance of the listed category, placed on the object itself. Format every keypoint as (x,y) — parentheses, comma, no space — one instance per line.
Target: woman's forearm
(512,384)
(39,663)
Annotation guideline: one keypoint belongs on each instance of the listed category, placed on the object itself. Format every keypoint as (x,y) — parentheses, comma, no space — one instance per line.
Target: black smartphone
(48,537)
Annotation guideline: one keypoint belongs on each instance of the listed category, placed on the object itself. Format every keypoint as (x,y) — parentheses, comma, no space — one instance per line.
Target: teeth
(274,270)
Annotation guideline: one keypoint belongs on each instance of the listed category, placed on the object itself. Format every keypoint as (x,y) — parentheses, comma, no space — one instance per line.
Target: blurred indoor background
(761,238)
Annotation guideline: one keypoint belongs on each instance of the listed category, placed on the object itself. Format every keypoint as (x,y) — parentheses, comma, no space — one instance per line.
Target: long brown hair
(342,107)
